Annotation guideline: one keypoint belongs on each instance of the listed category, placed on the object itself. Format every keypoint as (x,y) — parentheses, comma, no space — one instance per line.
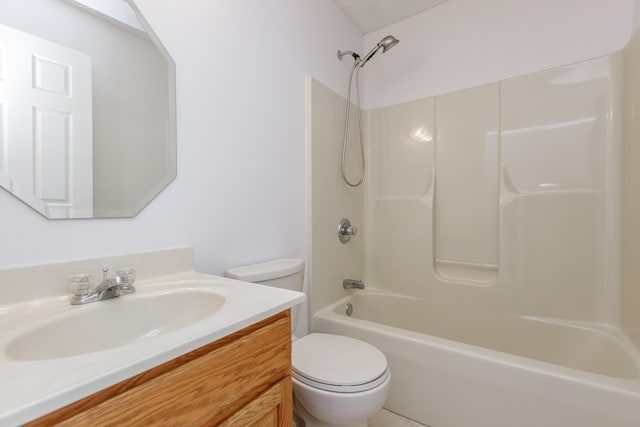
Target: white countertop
(32,388)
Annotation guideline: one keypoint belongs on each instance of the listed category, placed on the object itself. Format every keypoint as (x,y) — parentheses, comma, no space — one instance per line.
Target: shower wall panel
(631,192)
(331,261)
(517,215)
(401,143)
(405,136)
(553,128)
(556,126)
(467,173)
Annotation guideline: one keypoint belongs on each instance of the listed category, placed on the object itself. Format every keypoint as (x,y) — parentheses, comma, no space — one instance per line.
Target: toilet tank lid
(269,270)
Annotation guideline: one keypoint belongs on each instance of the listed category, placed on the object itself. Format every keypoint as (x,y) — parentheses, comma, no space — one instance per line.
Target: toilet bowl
(337,380)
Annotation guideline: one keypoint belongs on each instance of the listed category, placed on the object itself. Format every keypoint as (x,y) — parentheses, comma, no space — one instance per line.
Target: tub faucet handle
(346,230)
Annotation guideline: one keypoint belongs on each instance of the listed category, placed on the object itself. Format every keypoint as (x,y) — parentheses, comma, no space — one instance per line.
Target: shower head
(386,43)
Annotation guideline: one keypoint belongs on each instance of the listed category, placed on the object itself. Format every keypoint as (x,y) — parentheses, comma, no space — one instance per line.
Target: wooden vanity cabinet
(243,379)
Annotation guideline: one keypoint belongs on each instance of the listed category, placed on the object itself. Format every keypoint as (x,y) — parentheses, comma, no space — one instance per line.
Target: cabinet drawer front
(205,390)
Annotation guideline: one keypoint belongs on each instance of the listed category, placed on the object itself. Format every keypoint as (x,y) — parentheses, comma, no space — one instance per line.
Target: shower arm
(385,44)
(359,61)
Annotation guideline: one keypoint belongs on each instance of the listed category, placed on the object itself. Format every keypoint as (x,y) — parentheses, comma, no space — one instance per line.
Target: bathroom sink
(113,323)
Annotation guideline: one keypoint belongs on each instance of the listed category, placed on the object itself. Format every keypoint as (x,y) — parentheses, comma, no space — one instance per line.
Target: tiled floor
(386,418)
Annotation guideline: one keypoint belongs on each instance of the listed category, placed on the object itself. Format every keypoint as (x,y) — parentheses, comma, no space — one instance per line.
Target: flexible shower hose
(356,68)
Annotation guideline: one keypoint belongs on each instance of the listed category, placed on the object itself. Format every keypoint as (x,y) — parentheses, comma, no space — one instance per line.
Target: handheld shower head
(386,43)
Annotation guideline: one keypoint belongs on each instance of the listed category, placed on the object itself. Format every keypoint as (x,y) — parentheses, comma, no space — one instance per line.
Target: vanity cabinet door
(271,409)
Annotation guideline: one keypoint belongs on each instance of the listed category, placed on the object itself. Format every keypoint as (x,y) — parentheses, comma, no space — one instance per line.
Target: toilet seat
(338,364)
(342,388)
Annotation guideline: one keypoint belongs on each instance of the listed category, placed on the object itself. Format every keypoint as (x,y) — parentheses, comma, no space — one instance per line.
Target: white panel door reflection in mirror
(46,136)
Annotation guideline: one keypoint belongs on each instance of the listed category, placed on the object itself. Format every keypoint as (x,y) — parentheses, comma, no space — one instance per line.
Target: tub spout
(352,284)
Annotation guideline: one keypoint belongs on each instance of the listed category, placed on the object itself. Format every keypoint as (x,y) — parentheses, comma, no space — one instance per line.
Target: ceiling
(369,15)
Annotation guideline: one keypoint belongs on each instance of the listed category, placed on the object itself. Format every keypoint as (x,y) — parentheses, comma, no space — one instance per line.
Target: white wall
(467,43)
(240,192)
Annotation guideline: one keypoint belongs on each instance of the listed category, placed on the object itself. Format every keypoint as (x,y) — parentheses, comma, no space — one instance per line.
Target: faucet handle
(126,280)
(128,276)
(346,230)
(81,284)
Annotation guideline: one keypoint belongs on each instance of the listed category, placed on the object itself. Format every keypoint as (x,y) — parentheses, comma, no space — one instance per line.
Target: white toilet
(337,380)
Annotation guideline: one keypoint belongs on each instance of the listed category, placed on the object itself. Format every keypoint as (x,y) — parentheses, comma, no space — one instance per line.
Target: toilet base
(311,421)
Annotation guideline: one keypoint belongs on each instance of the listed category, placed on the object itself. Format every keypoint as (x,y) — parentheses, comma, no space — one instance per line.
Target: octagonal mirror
(87,107)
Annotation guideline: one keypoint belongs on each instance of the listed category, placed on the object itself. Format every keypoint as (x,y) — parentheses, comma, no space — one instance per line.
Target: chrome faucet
(352,284)
(110,287)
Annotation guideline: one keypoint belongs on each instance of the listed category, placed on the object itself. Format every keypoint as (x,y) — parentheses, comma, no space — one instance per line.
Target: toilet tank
(284,273)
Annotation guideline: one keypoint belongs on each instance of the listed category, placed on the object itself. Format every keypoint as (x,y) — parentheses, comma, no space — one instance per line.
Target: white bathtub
(465,369)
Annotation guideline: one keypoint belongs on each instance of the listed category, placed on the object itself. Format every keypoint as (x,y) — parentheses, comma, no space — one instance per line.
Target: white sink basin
(112,323)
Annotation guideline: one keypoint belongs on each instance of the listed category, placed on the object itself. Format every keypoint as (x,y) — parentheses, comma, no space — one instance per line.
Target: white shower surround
(559,237)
